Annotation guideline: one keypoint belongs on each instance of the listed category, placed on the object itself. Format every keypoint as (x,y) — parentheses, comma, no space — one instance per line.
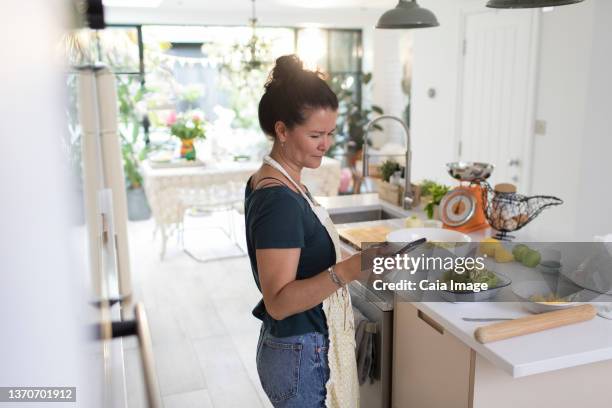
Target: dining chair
(207,201)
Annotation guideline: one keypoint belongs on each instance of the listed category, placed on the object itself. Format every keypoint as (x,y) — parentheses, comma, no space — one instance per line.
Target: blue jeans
(293,370)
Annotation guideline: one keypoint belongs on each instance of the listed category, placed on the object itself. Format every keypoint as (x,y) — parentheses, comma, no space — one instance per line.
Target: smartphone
(406,248)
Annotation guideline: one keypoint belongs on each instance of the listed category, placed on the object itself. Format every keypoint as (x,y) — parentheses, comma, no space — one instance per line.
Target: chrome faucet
(408,197)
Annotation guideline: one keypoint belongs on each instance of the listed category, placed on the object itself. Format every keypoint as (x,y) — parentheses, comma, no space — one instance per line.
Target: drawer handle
(431,322)
(138,327)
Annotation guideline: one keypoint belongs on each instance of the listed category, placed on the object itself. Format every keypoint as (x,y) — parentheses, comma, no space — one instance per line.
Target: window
(219,71)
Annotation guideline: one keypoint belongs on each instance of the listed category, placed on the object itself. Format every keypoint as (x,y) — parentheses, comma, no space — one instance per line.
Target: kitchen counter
(559,348)
(554,349)
(350,202)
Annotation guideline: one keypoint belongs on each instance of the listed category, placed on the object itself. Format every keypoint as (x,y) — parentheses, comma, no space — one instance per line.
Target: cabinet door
(431,367)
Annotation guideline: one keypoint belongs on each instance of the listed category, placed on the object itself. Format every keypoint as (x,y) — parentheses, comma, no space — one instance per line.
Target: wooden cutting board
(355,236)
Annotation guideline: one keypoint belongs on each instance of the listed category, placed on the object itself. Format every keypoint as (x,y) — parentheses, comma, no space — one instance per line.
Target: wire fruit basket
(508,212)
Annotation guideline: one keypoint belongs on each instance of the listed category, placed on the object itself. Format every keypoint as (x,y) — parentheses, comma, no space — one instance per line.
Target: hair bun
(286,67)
(290,92)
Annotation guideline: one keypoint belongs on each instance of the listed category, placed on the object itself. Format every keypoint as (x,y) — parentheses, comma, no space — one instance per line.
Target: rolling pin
(535,323)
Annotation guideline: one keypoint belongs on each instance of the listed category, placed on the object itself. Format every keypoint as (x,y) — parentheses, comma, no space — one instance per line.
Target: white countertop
(553,349)
(350,202)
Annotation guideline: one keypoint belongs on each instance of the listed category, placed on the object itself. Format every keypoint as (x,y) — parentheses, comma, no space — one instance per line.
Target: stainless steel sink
(370,214)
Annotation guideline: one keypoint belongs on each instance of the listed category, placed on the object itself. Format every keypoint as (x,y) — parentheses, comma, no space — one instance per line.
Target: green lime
(531,258)
(519,251)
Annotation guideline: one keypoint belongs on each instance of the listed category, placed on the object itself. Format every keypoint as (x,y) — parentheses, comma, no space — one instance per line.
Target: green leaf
(429,209)
(135,131)
(427,186)
(388,168)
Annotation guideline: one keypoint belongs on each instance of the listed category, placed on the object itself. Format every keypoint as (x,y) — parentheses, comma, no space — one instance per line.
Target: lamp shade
(529,3)
(407,14)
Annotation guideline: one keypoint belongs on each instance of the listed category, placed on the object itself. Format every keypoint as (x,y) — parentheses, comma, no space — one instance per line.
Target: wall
(391,49)
(573,97)
(47,336)
(594,198)
(436,64)
(565,53)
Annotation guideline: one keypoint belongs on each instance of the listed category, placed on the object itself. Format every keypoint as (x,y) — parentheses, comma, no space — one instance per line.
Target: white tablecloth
(171,190)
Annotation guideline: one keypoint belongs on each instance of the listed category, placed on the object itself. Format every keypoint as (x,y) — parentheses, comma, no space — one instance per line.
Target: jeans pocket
(278,365)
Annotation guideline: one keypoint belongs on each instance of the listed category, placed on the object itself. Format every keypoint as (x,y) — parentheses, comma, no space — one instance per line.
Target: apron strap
(342,383)
(267,178)
(325,220)
(271,162)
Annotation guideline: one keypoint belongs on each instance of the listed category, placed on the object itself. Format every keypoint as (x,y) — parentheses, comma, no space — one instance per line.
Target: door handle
(139,327)
(431,322)
(99,303)
(514,162)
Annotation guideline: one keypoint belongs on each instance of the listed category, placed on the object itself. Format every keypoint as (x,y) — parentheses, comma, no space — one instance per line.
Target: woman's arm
(283,294)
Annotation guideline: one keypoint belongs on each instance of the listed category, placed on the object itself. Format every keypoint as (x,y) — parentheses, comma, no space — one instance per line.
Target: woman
(305,353)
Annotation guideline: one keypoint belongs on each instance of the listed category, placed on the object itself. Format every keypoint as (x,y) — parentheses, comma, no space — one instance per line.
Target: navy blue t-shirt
(278,217)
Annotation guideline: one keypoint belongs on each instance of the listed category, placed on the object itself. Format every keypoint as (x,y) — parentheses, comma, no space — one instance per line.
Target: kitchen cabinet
(433,368)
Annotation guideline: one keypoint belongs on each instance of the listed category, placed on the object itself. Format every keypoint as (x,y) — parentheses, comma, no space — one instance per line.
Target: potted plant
(187,126)
(352,115)
(390,192)
(432,193)
(388,168)
(133,147)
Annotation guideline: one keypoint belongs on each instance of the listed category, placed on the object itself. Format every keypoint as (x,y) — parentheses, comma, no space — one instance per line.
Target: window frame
(358,73)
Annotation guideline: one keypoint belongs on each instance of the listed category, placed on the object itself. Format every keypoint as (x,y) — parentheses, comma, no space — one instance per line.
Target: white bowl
(550,255)
(526,289)
(431,234)
(432,224)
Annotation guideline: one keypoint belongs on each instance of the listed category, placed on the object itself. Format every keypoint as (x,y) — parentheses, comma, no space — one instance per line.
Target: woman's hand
(359,266)
(350,268)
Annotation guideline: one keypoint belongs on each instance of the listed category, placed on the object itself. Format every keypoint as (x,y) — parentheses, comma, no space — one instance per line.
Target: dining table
(172,188)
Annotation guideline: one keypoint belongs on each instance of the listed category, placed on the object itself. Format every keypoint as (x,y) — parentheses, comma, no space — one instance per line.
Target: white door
(496,93)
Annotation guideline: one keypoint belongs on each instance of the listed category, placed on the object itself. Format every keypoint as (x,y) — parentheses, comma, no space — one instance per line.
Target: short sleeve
(278,221)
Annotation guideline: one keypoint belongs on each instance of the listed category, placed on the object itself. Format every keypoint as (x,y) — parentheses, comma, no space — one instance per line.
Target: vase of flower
(188,127)
(188,150)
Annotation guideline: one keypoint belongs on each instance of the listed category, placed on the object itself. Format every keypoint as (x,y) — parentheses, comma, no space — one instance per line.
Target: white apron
(342,386)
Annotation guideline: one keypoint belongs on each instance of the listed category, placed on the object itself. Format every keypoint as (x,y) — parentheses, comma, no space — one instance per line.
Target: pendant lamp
(407,14)
(254,46)
(509,4)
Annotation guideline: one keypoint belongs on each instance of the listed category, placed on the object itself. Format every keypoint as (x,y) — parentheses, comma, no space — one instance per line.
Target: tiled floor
(204,336)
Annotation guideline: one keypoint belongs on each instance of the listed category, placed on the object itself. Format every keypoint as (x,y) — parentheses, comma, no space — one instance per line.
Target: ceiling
(354,13)
(261,4)
(336,3)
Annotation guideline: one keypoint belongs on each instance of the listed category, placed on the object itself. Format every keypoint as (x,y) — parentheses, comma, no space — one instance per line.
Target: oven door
(376,393)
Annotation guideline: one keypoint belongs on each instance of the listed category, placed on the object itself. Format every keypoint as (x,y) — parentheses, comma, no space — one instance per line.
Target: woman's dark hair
(290,91)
